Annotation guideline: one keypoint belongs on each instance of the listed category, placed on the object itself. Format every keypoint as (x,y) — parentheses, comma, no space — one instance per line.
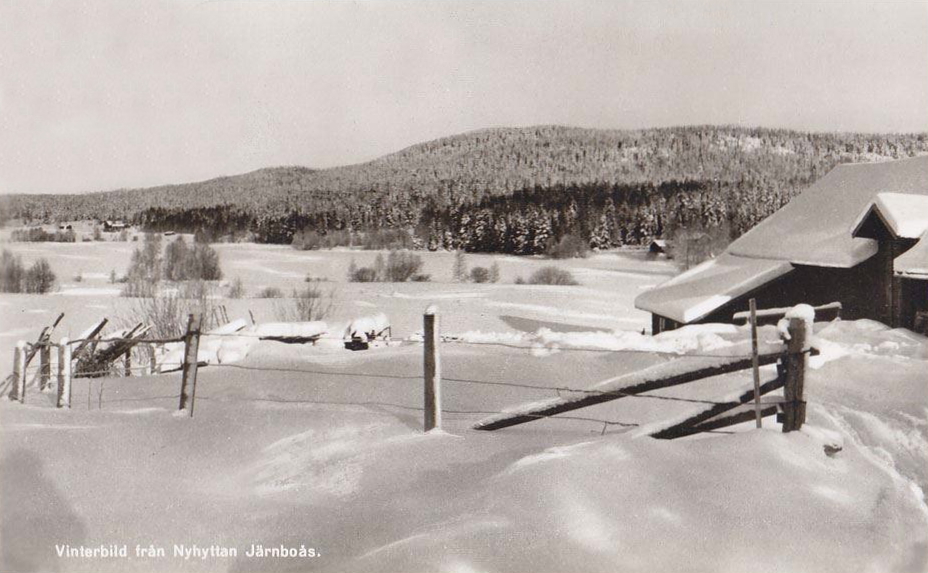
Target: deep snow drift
(323,447)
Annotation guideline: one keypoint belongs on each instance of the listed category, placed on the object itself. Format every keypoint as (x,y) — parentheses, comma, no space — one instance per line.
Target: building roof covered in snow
(905,215)
(704,288)
(914,262)
(815,228)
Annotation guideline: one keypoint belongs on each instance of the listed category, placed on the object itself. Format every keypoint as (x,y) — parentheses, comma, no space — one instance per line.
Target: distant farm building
(658,247)
(112,226)
(858,236)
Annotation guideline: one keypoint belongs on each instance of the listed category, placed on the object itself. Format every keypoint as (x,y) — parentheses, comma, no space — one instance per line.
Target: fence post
(188,386)
(45,365)
(794,406)
(755,364)
(152,359)
(432,365)
(64,373)
(19,372)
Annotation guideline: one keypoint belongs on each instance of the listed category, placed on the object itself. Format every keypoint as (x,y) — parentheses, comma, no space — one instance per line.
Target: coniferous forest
(512,190)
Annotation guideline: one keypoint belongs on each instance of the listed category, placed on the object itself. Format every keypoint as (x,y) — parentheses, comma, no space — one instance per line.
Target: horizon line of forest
(508,190)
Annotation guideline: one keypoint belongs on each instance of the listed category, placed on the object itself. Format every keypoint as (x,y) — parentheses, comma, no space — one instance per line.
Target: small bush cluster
(183,263)
(167,311)
(549,276)
(40,235)
(180,262)
(400,266)
(305,305)
(237,288)
(378,239)
(477,274)
(311,240)
(271,292)
(569,247)
(15,278)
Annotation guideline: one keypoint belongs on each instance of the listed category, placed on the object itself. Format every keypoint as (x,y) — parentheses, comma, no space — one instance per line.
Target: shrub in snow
(271,292)
(363,275)
(494,272)
(167,311)
(401,266)
(305,305)
(11,272)
(568,247)
(39,278)
(237,289)
(480,274)
(459,271)
(552,276)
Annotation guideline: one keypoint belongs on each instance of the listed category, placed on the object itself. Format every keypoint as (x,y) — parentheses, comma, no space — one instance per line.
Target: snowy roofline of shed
(906,215)
(705,288)
(812,229)
(914,262)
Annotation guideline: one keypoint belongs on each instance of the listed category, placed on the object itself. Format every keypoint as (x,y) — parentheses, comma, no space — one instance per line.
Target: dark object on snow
(357,343)
(832,449)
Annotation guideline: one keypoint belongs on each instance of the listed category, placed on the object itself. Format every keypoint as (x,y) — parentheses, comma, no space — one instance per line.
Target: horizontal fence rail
(94,356)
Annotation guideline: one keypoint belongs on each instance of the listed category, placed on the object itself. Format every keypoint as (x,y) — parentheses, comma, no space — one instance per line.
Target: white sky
(100,95)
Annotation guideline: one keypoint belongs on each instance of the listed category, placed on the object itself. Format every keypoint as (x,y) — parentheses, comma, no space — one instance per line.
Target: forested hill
(427,188)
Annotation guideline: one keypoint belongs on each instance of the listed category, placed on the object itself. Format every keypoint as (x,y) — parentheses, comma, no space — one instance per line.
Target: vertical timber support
(19,372)
(188,387)
(755,365)
(127,368)
(152,359)
(432,364)
(794,406)
(64,373)
(45,366)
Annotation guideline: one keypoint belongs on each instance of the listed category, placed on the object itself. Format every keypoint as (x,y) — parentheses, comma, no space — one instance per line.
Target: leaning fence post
(432,363)
(45,365)
(755,364)
(188,386)
(64,373)
(794,406)
(127,367)
(19,372)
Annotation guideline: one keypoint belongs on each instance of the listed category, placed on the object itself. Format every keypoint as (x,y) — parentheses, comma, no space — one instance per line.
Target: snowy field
(322,448)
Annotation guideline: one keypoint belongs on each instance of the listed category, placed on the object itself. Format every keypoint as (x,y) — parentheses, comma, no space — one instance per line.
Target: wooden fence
(790,356)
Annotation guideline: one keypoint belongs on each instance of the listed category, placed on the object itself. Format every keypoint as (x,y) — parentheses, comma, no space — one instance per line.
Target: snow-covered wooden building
(858,236)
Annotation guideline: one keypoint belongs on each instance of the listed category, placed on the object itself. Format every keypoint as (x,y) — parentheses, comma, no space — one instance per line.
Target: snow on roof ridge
(914,262)
(812,227)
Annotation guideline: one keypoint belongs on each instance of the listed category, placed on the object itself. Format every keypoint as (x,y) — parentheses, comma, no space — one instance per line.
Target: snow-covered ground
(321,447)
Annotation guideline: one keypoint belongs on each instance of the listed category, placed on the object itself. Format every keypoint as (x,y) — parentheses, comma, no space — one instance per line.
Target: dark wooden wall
(869,290)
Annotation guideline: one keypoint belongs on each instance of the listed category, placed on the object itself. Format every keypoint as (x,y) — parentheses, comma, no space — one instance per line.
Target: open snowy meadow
(312,457)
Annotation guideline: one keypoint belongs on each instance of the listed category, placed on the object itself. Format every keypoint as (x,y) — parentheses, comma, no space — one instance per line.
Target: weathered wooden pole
(19,372)
(152,359)
(127,368)
(755,364)
(794,406)
(432,363)
(64,373)
(45,365)
(188,387)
